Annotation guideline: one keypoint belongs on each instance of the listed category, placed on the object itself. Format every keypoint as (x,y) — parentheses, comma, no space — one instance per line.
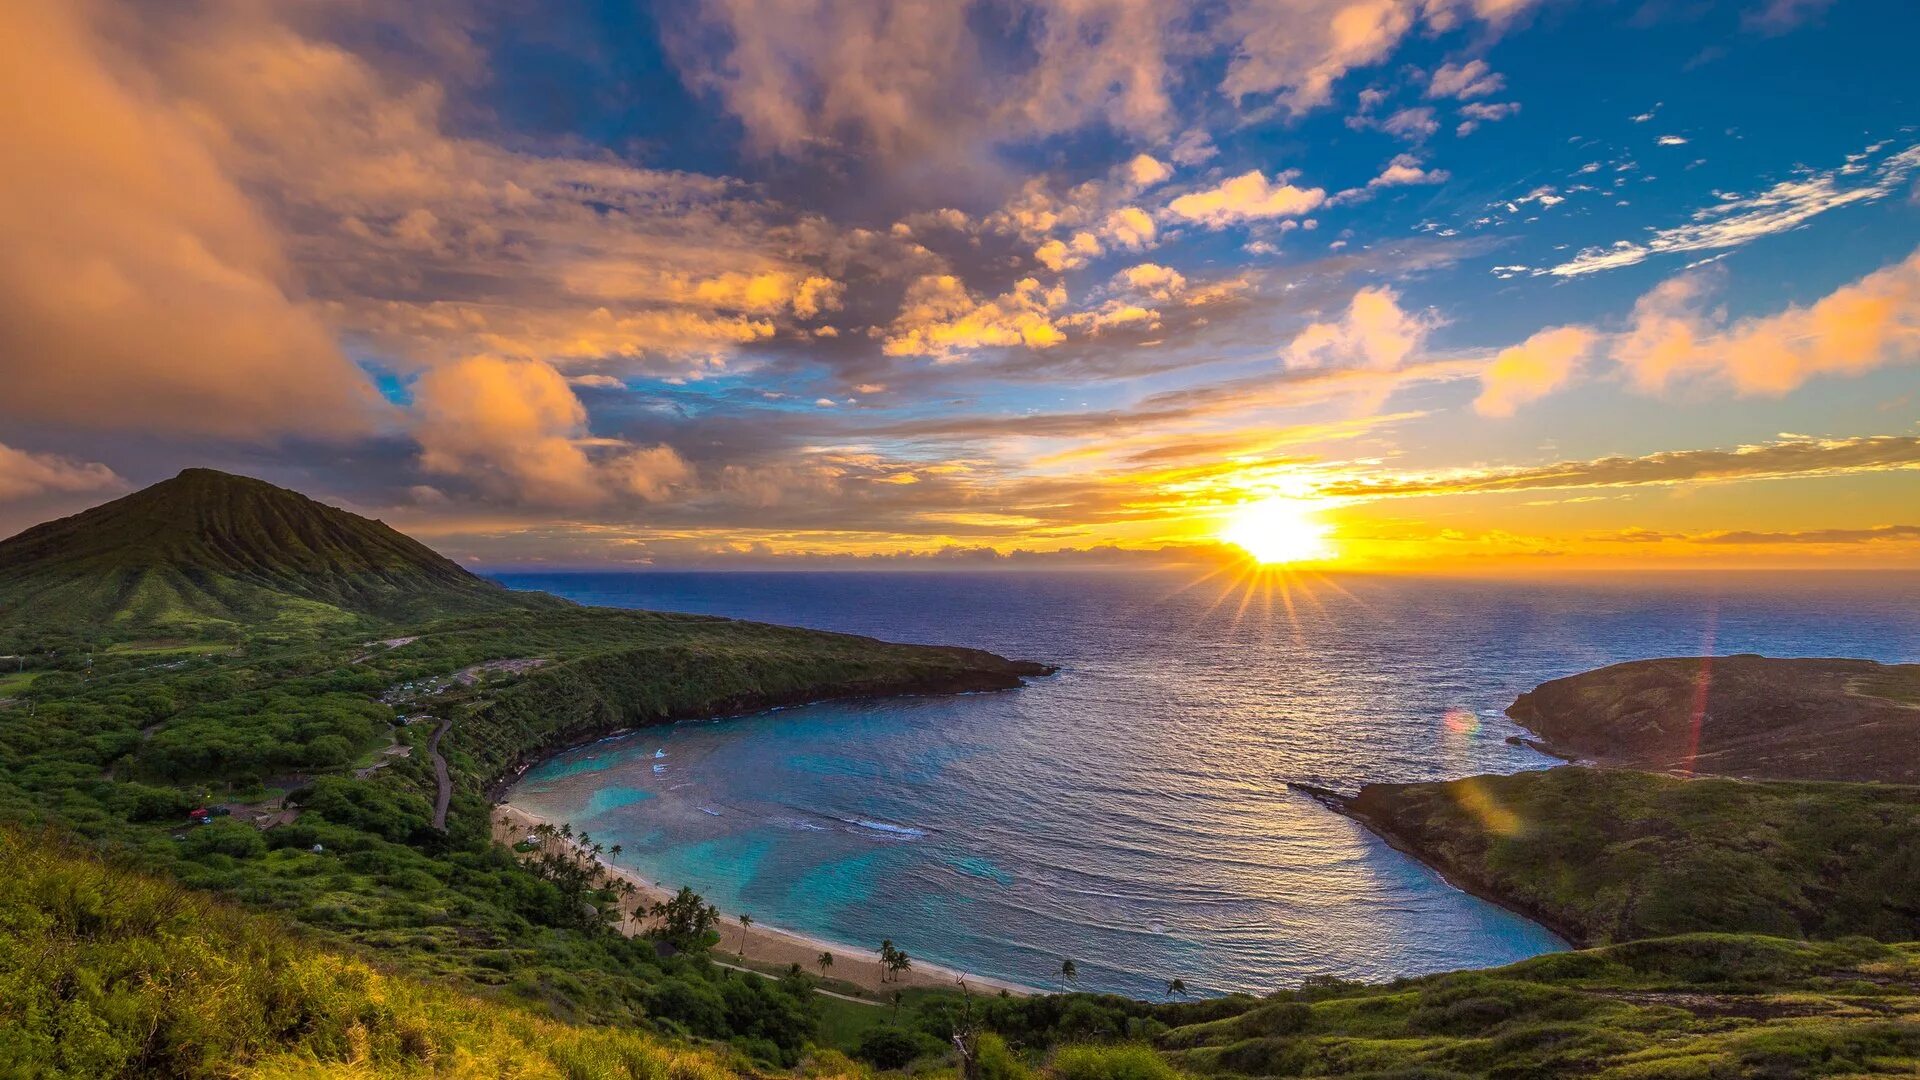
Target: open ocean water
(1132,813)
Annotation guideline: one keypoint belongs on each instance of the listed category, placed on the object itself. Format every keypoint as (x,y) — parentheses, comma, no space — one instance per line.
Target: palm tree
(897,998)
(1176,986)
(614,853)
(745,922)
(1069,971)
(825,960)
(886,957)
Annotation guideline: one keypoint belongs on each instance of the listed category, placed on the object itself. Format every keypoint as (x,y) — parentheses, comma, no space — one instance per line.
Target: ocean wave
(904,832)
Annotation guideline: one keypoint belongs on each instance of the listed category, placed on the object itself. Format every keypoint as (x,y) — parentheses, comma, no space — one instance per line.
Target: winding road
(445,794)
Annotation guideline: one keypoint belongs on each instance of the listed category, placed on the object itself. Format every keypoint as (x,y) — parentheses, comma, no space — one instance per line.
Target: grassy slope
(105,972)
(1612,855)
(1749,716)
(1702,1006)
(207,549)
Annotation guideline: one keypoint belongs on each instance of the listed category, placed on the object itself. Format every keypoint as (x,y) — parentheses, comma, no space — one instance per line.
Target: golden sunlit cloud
(1278,530)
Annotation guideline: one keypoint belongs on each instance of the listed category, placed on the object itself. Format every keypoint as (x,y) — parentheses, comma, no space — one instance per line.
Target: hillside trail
(445,795)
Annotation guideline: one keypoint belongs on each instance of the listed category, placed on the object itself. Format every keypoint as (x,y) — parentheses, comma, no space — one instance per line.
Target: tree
(886,958)
(900,962)
(1176,986)
(825,961)
(745,922)
(1069,971)
(685,920)
(614,853)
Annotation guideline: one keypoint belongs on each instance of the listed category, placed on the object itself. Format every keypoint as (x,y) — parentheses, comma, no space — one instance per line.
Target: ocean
(1132,812)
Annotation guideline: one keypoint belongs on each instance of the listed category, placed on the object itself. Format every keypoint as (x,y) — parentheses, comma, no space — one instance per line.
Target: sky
(1436,285)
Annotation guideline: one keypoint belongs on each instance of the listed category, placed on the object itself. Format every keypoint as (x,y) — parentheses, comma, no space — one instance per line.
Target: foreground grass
(1700,1006)
(105,972)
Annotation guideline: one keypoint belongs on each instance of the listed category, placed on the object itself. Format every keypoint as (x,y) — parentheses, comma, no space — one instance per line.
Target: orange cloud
(1247,197)
(1375,333)
(1532,369)
(139,287)
(516,428)
(1870,323)
(941,319)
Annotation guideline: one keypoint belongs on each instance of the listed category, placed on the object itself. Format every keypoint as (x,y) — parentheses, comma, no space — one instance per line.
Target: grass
(105,972)
(12,682)
(1610,855)
(1900,685)
(1705,1006)
(170,648)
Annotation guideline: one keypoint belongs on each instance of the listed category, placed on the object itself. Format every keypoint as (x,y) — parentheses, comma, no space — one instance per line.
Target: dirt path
(821,990)
(445,794)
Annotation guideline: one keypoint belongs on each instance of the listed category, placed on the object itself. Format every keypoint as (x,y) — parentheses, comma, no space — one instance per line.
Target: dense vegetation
(1609,855)
(108,972)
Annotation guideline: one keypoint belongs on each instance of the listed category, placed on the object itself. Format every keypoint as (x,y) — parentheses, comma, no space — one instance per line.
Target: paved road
(445,794)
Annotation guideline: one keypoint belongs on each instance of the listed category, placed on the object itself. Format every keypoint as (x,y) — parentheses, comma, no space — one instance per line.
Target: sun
(1278,530)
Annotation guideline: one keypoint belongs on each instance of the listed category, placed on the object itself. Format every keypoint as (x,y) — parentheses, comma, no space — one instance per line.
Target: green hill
(1611,855)
(208,548)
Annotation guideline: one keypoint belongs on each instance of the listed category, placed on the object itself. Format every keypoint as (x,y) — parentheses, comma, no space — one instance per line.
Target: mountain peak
(213,547)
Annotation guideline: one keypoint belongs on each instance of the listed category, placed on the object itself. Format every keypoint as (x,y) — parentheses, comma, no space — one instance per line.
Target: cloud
(1247,197)
(1473,79)
(1484,112)
(1867,324)
(1404,170)
(1415,124)
(941,319)
(140,288)
(1797,457)
(1780,16)
(1533,369)
(1671,140)
(1740,220)
(1058,255)
(1145,171)
(1871,535)
(1161,283)
(515,428)
(909,79)
(1298,49)
(1375,333)
(1128,227)
(23,473)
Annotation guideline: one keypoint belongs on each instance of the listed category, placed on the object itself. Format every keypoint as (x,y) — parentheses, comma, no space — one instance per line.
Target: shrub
(890,1047)
(1131,1062)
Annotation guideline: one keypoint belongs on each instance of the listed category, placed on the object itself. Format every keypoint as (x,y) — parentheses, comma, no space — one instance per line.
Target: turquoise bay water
(1131,813)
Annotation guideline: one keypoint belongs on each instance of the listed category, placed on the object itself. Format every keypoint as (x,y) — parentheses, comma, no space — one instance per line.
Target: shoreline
(497,787)
(1344,806)
(768,944)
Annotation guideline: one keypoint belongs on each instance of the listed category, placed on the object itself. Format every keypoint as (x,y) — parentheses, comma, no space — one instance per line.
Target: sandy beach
(764,944)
